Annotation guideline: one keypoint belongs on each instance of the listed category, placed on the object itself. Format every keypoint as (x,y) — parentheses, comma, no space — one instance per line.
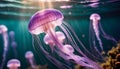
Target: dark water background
(16,14)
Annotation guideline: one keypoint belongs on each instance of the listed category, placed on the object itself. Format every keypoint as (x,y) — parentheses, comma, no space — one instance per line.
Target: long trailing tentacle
(108,37)
(93,46)
(5,39)
(51,58)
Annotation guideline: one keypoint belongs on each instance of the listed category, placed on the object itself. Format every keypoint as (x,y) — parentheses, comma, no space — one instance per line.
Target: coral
(79,67)
(113,59)
(40,67)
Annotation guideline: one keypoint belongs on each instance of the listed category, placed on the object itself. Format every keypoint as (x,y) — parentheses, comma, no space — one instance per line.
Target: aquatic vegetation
(113,59)
(3,31)
(79,67)
(40,67)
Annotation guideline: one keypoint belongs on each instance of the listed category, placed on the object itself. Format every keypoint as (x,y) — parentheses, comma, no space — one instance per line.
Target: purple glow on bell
(40,19)
(13,64)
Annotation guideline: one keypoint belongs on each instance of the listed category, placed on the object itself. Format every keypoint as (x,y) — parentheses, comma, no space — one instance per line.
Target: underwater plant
(113,59)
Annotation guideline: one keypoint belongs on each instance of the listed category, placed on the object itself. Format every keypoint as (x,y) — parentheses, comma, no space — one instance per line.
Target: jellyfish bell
(13,64)
(12,33)
(44,20)
(95,17)
(68,49)
(48,40)
(29,55)
(3,29)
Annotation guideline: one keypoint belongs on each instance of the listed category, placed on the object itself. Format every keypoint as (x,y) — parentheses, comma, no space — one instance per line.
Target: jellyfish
(46,21)
(96,33)
(50,42)
(30,57)
(13,64)
(3,31)
(67,51)
(13,42)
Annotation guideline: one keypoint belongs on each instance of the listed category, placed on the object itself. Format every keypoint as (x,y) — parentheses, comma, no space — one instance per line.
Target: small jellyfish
(3,31)
(69,55)
(96,31)
(49,41)
(12,35)
(95,20)
(13,64)
(46,21)
(30,57)
(13,42)
(67,49)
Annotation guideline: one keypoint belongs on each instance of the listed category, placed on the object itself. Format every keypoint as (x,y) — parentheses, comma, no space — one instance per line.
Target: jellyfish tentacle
(50,58)
(95,22)
(107,36)
(96,30)
(5,38)
(81,61)
(69,51)
(13,42)
(73,42)
(30,57)
(47,24)
(99,40)
(3,31)
(93,45)
(71,55)
(55,39)
(96,66)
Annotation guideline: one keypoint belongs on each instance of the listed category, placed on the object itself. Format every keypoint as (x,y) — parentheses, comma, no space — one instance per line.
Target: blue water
(15,14)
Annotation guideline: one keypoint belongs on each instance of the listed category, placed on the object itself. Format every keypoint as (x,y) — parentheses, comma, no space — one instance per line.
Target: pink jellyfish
(67,51)
(3,31)
(13,42)
(13,64)
(46,21)
(30,57)
(97,32)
